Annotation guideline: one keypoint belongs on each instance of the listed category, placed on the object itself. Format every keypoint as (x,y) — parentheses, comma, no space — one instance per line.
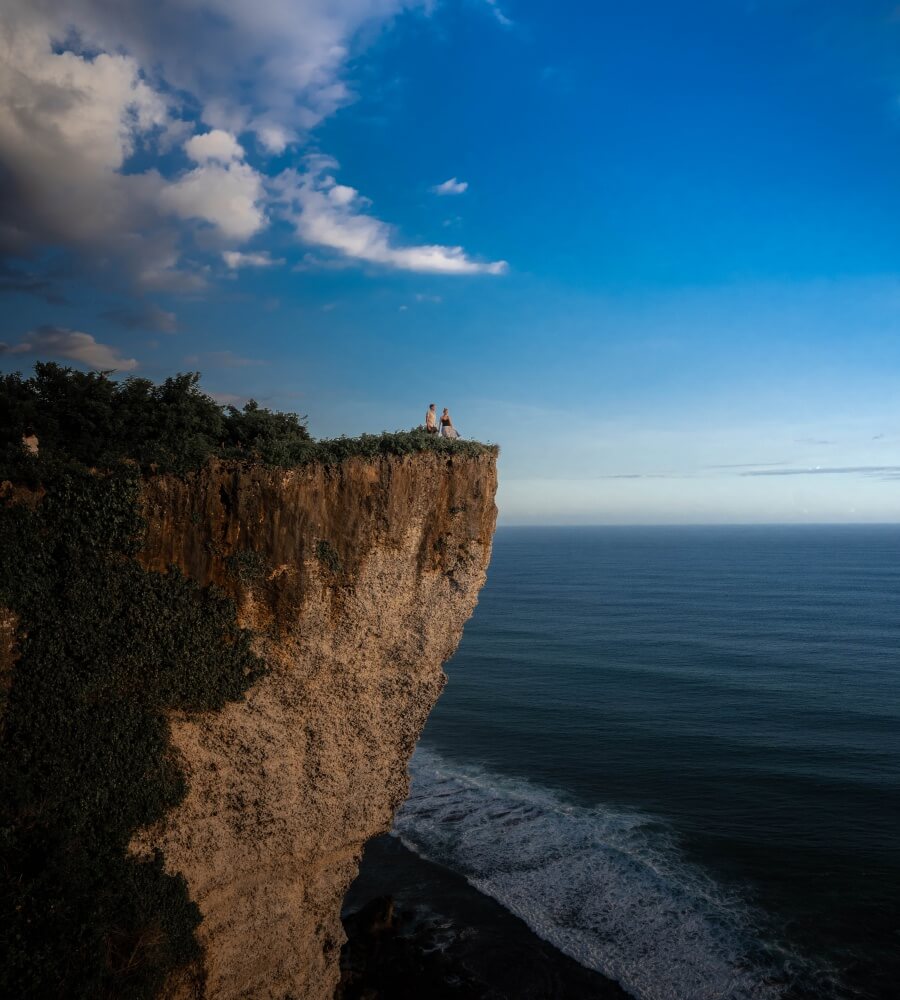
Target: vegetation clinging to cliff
(106,650)
(171,427)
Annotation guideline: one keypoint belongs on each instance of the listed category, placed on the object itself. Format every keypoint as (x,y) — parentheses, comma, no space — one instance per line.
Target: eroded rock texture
(357,580)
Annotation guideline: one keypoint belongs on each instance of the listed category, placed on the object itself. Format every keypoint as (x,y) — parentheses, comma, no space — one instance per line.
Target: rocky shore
(416,929)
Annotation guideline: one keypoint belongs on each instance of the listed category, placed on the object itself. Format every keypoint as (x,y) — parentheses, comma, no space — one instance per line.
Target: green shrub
(330,452)
(173,427)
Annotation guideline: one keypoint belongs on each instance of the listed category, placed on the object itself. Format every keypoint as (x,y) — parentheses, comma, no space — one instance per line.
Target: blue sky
(661,273)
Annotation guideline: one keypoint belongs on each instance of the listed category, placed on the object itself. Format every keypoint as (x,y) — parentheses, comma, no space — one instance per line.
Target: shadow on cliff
(106,651)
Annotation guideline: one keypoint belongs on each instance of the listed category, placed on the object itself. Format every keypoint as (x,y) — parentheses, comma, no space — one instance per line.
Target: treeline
(92,419)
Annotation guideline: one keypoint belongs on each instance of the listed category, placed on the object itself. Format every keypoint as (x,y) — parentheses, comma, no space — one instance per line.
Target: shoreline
(416,928)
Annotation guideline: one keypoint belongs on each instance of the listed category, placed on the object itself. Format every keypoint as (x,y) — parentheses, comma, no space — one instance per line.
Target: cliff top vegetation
(169,427)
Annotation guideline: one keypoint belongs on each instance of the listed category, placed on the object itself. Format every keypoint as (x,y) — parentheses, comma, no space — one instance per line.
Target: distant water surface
(675,753)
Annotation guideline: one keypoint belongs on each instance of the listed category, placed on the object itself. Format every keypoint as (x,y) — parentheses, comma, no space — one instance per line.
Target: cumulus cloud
(273,138)
(68,124)
(333,216)
(236,259)
(451,186)
(274,67)
(214,145)
(72,345)
(227,196)
(95,96)
(86,84)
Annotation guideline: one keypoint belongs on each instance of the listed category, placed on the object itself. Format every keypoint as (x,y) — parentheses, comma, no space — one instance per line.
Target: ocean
(674,753)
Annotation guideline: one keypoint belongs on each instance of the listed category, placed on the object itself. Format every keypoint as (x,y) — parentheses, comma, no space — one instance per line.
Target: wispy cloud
(822,470)
(745,465)
(143,316)
(643,475)
(450,187)
(235,259)
(334,216)
(498,13)
(30,282)
(71,345)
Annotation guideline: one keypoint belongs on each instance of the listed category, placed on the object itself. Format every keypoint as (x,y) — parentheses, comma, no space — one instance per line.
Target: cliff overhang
(245,656)
(355,580)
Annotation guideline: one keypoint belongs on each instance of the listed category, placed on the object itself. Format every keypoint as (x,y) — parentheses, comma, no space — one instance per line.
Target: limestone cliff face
(357,580)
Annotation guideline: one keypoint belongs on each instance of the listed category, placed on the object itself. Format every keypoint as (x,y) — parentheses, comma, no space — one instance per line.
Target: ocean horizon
(673,751)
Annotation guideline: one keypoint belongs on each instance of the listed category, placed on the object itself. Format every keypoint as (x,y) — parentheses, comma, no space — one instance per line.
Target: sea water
(675,753)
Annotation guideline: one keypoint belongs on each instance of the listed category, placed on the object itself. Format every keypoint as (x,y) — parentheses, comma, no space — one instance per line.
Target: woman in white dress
(447,428)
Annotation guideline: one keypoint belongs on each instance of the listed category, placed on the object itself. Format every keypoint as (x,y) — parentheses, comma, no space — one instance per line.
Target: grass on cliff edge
(171,427)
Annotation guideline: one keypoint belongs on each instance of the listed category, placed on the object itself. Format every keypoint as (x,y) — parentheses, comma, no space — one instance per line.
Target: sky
(651,249)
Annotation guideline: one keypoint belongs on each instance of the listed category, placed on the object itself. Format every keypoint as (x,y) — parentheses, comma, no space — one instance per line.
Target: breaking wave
(607,887)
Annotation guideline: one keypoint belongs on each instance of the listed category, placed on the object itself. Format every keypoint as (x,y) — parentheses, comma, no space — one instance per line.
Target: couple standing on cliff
(447,428)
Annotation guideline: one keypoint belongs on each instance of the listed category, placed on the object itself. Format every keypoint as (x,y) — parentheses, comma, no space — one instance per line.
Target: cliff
(355,581)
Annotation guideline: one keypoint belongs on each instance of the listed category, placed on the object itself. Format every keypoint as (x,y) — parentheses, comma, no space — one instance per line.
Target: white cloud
(215,145)
(72,345)
(228,197)
(274,139)
(331,215)
(498,13)
(88,85)
(272,66)
(452,186)
(84,84)
(236,259)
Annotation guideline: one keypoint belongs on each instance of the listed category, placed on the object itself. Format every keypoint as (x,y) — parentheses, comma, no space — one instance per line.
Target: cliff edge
(355,581)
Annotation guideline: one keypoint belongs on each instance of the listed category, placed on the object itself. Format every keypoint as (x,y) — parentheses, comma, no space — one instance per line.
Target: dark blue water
(675,752)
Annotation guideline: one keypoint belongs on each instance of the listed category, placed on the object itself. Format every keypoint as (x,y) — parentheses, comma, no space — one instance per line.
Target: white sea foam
(607,887)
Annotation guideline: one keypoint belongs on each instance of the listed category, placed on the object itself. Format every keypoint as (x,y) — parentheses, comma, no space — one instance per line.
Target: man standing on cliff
(431,419)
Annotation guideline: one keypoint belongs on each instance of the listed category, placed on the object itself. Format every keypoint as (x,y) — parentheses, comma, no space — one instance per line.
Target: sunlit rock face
(356,580)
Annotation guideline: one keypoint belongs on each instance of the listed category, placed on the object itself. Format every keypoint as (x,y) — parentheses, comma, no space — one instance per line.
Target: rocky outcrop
(356,580)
